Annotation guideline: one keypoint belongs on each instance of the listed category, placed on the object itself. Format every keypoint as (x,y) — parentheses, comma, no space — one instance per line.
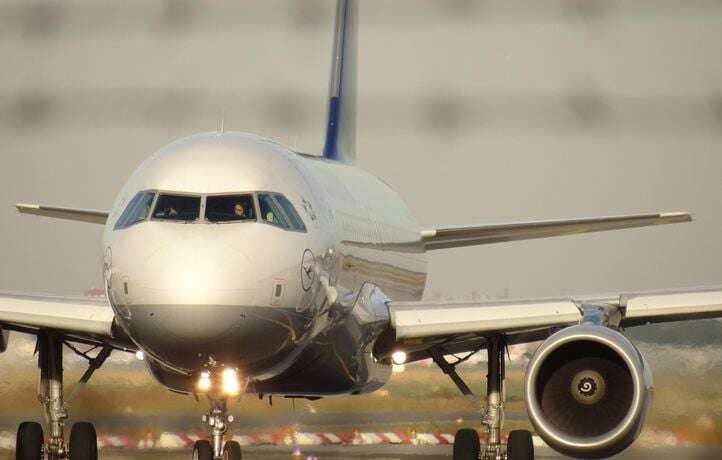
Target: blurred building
(548,109)
(444,68)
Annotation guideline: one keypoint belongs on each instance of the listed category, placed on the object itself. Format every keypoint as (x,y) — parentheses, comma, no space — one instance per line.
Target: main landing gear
(217,421)
(83,440)
(467,445)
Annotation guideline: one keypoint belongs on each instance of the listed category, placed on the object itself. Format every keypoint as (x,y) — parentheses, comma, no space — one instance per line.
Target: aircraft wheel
(29,442)
(520,446)
(466,445)
(202,450)
(83,442)
(232,451)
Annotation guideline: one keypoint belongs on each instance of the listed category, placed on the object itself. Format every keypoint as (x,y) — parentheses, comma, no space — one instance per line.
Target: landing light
(139,355)
(204,381)
(231,385)
(399,357)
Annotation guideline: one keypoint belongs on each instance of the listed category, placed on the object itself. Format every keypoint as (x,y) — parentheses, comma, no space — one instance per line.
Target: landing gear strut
(493,418)
(217,421)
(83,439)
(50,393)
(466,443)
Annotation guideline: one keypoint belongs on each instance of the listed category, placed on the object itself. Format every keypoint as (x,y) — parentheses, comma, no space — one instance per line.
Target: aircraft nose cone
(195,300)
(199,272)
(192,291)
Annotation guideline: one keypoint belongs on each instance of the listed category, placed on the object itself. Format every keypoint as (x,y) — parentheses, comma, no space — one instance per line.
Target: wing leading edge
(454,237)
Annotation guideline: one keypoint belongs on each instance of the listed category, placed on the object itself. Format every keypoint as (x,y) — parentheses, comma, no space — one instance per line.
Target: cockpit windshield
(177,207)
(230,208)
(273,208)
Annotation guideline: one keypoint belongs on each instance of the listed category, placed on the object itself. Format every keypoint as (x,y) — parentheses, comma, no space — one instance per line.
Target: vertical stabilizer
(341,127)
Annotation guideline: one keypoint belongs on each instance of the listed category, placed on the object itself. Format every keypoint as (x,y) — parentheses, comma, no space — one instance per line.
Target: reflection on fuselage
(292,293)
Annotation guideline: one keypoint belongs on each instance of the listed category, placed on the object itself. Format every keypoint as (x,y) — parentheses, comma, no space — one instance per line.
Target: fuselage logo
(308,272)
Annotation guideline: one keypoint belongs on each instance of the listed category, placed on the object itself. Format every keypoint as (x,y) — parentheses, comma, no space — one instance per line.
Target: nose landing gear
(217,421)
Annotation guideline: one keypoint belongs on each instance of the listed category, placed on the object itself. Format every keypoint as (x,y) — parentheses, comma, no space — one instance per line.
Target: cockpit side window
(270,211)
(177,208)
(277,210)
(230,208)
(293,217)
(136,211)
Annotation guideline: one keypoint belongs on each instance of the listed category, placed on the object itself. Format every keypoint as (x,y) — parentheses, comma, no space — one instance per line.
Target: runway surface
(401,453)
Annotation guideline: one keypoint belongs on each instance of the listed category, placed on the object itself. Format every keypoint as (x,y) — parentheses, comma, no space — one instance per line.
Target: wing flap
(454,237)
(81,215)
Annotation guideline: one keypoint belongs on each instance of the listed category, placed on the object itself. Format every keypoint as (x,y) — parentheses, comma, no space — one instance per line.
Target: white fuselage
(249,294)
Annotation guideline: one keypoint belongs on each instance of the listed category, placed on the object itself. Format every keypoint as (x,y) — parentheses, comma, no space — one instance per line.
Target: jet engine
(588,390)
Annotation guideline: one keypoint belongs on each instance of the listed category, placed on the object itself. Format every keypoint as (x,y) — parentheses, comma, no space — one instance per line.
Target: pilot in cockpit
(240,211)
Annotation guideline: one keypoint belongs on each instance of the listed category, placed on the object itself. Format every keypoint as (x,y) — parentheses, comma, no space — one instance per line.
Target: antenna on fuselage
(221,128)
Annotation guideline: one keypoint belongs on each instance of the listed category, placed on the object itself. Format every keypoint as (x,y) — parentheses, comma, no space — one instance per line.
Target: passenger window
(230,208)
(136,211)
(277,210)
(177,207)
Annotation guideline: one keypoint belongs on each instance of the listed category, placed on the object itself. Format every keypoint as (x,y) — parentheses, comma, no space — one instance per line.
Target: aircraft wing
(83,215)
(465,326)
(454,237)
(81,319)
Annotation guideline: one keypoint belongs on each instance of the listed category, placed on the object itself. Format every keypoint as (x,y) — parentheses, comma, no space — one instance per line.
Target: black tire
(232,451)
(29,441)
(520,446)
(202,450)
(83,442)
(466,445)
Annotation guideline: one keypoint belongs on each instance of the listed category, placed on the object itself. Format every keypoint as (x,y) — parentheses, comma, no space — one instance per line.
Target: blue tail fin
(341,128)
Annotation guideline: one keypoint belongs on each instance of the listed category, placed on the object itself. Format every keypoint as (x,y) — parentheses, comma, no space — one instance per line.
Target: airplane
(239,266)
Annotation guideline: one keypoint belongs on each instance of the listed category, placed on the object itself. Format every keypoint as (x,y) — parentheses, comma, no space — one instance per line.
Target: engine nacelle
(588,391)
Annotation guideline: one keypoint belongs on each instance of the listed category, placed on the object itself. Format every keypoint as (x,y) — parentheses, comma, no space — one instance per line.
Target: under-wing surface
(237,265)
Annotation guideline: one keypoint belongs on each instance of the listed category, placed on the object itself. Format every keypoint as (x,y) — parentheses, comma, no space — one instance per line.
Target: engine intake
(588,390)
